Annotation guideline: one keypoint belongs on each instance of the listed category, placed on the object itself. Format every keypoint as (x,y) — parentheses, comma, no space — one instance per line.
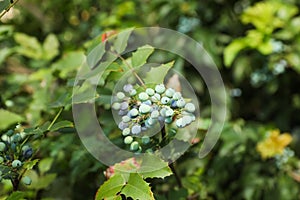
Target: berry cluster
(143,108)
(13,153)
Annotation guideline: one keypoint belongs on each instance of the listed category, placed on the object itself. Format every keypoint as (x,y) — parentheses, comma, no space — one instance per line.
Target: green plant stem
(7,9)
(55,118)
(177,177)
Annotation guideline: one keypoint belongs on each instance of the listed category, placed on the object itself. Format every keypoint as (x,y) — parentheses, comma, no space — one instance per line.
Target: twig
(171,165)
(7,9)
(55,118)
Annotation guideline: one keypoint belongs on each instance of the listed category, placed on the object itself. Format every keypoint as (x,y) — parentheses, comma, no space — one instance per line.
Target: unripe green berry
(143,96)
(169,113)
(144,108)
(180,103)
(2,146)
(120,95)
(190,107)
(150,91)
(154,114)
(126,119)
(9,132)
(132,92)
(116,106)
(1,159)
(128,140)
(168,120)
(177,95)
(26,180)
(134,146)
(170,92)
(165,100)
(16,163)
(155,97)
(16,138)
(145,139)
(160,88)
(126,132)
(134,112)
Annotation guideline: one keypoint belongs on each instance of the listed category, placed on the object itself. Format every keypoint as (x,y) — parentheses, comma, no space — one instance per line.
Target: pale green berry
(177,95)
(169,112)
(163,112)
(145,139)
(143,96)
(180,103)
(126,132)
(165,100)
(155,97)
(1,159)
(26,180)
(186,120)
(179,123)
(2,146)
(132,92)
(155,114)
(160,88)
(190,107)
(126,119)
(16,163)
(134,146)
(168,120)
(134,112)
(116,106)
(120,95)
(170,92)
(151,121)
(144,108)
(128,140)
(150,91)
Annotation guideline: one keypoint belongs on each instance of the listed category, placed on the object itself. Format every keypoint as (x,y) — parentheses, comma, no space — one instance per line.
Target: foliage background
(42,45)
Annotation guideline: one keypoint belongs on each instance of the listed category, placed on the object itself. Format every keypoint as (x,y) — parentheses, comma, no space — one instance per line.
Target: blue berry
(148,102)
(160,88)
(16,163)
(2,146)
(134,146)
(136,129)
(163,112)
(120,95)
(143,96)
(177,95)
(124,106)
(126,131)
(180,103)
(190,107)
(145,139)
(132,92)
(116,106)
(150,91)
(123,125)
(127,87)
(122,112)
(9,132)
(170,92)
(128,140)
(134,112)
(154,114)
(173,103)
(144,108)
(165,100)
(26,180)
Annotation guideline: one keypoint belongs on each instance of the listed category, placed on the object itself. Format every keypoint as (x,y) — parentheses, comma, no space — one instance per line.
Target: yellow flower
(274,144)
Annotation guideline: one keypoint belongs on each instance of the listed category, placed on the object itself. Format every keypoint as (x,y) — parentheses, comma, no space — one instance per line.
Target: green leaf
(50,47)
(8,118)
(95,55)
(111,187)
(30,164)
(16,196)
(4,5)
(70,62)
(61,124)
(157,74)
(121,42)
(137,188)
(29,46)
(154,167)
(140,57)
(4,53)
(232,50)
(45,165)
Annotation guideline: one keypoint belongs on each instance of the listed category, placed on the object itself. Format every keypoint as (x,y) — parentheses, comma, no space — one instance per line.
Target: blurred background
(256,46)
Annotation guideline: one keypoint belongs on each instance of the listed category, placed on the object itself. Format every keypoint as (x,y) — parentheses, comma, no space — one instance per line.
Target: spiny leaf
(140,57)
(157,74)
